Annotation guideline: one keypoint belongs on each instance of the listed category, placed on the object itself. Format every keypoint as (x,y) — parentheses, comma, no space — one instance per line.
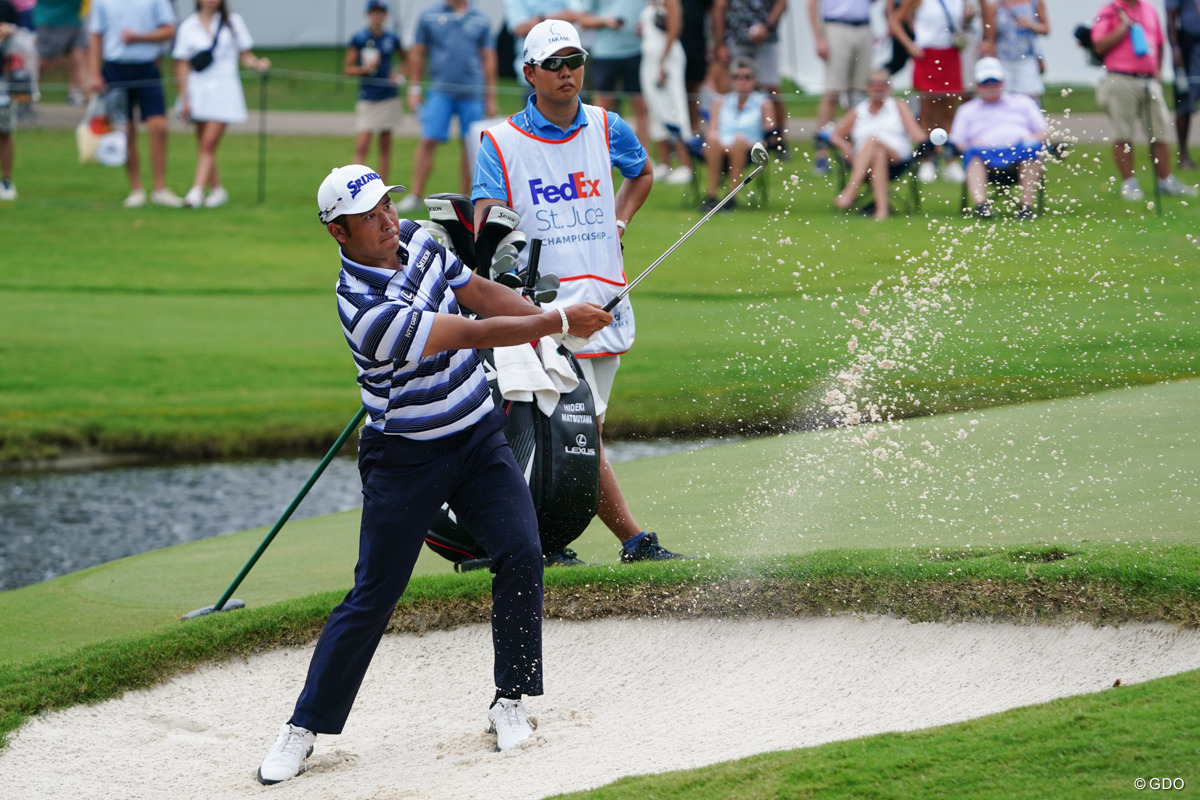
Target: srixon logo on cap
(577,186)
(355,186)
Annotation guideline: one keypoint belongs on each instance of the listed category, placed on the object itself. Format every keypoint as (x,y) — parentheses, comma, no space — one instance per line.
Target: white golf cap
(988,69)
(548,37)
(352,189)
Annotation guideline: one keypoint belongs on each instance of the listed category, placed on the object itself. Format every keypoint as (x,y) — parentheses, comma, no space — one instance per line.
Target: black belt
(854,23)
(1132,74)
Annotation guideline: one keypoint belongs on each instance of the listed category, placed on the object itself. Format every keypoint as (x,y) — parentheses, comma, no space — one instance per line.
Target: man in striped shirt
(434,436)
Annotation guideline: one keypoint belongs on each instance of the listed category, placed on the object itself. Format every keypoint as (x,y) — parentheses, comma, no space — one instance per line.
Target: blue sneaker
(821,165)
(648,549)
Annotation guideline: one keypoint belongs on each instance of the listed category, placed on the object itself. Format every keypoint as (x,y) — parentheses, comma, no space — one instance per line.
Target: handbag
(202,60)
(958,37)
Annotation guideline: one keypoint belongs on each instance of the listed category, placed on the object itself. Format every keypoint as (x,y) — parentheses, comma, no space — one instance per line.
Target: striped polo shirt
(386,316)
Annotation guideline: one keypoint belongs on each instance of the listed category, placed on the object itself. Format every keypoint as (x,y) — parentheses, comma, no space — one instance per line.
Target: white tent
(282,23)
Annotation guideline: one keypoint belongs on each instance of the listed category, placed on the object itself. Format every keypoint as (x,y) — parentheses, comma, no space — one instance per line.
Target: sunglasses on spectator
(744,76)
(555,63)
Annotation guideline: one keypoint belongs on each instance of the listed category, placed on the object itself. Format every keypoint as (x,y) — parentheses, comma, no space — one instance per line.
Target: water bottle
(1137,37)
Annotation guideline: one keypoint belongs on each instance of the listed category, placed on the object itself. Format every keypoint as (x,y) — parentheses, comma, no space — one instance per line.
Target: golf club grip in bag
(560,458)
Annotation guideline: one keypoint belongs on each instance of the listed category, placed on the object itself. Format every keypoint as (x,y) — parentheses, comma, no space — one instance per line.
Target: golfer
(552,163)
(433,437)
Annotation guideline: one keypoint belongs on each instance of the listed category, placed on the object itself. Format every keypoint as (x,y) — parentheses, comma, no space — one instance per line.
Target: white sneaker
(285,759)
(136,199)
(216,198)
(165,197)
(510,723)
(679,176)
(1131,191)
(8,192)
(1173,186)
(410,202)
(660,172)
(953,172)
(927,172)
(194,197)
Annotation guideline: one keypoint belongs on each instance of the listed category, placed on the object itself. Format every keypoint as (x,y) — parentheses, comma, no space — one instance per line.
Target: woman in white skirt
(212,97)
(662,72)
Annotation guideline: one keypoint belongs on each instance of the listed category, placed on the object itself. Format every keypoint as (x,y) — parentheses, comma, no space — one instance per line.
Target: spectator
(60,34)
(455,38)
(127,38)
(842,30)
(520,16)
(938,34)
(1183,29)
(999,130)
(1127,36)
(212,97)
(739,119)
(25,13)
(663,86)
(8,114)
(616,56)
(523,162)
(694,38)
(1010,31)
(370,57)
(748,29)
(875,137)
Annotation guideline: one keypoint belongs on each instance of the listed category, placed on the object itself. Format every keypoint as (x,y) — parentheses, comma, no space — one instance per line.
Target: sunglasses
(555,63)
(744,76)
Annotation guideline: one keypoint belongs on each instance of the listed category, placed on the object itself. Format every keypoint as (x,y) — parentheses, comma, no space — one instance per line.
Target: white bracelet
(562,312)
(622,224)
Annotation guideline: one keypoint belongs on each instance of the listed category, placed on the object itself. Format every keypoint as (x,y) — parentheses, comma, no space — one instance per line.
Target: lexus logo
(580,440)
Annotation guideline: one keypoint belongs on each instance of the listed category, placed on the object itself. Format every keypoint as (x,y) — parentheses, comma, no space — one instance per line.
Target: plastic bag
(96,139)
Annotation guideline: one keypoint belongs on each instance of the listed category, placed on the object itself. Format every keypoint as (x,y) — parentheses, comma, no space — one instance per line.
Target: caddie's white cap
(988,69)
(548,37)
(352,189)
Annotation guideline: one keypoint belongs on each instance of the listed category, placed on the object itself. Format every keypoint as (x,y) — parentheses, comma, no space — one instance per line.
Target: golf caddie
(552,164)
(433,437)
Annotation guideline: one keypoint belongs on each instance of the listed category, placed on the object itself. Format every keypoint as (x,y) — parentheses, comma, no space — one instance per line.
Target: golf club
(758,154)
(1147,99)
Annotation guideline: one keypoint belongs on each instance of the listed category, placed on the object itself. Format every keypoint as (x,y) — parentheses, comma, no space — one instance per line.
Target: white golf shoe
(510,723)
(1171,185)
(285,759)
(1131,191)
(194,197)
(679,176)
(216,198)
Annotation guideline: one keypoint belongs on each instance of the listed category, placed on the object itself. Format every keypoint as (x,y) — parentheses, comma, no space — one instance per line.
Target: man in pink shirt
(1128,37)
(996,131)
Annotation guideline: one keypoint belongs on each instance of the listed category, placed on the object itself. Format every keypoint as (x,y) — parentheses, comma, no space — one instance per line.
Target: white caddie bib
(563,191)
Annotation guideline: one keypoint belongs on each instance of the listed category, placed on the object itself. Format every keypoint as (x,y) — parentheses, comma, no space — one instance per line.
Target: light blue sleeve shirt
(624,149)
(623,42)
(111,18)
(516,12)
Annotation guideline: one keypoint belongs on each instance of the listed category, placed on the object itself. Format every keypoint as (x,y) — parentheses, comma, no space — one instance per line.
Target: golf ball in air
(938,136)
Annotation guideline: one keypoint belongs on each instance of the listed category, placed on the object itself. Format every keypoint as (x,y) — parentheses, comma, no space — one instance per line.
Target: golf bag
(560,458)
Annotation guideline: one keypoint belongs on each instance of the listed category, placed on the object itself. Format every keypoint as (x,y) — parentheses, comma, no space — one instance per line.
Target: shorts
(938,71)
(765,57)
(437,110)
(377,116)
(134,84)
(600,372)
(607,73)
(849,63)
(1004,157)
(1123,98)
(55,43)
(1024,76)
(8,114)
(1187,101)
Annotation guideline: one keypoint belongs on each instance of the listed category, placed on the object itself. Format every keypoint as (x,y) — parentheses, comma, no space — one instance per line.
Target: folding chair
(904,190)
(1006,178)
(758,193)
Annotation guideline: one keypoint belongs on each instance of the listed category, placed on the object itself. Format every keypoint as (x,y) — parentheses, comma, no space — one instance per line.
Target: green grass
(213,333)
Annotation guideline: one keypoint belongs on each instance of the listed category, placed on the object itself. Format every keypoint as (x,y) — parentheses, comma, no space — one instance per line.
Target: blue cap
(373,5)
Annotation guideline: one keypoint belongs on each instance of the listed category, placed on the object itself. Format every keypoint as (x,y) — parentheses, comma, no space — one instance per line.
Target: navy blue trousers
(405,482)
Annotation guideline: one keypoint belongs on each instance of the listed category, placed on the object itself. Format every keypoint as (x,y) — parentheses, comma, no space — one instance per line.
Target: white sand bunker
(624,697)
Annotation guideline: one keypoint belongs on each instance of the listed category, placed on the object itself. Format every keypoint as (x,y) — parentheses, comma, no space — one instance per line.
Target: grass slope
(212,333)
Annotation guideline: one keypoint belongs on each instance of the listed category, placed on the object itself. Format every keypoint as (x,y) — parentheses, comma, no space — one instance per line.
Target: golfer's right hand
(584,319)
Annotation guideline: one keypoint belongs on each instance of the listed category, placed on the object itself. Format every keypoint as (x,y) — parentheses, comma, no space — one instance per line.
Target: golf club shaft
(1150,148)
(629,286)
